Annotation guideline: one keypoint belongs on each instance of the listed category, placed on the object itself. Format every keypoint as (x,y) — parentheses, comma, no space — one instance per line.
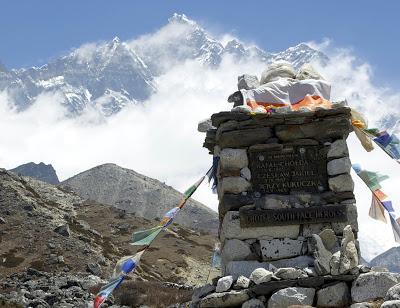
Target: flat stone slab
(373,285)
(231,229)
(280,248)
(224,299)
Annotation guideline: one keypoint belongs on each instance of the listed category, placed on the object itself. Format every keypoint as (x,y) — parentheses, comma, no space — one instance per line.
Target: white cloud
(160,138)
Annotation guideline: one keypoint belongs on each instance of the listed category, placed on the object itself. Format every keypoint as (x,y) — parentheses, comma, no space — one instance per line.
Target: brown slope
(31,210)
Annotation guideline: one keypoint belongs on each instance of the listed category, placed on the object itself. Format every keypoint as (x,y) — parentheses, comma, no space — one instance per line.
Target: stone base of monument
(331,280)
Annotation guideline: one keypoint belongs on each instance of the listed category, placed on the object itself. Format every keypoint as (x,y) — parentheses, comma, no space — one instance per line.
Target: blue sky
(34,31)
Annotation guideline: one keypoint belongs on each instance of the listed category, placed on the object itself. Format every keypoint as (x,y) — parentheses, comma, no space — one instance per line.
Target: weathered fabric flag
(377,210)
(106,290)
(389,143)
(395,225)
(371,179)
(145,237)
(123,267)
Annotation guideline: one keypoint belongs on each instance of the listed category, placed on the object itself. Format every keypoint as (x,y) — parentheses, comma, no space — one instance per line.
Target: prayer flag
(377,211)
(145,237)
(106,290)
(371,179)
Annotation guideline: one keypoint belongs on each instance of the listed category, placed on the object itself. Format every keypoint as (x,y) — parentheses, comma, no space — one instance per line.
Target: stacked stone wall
(282,178)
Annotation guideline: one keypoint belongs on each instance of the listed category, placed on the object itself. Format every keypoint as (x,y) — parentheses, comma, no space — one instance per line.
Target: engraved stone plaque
(283,217)
(292,168)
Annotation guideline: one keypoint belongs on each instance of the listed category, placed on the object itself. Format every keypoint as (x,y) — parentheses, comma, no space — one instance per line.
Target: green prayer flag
(372,179)
(145,237)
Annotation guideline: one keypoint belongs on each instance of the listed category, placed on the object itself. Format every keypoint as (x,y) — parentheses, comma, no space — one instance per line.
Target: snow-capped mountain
(110,75)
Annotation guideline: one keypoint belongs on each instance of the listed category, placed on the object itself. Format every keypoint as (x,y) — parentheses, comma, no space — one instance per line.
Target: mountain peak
(180,18)
(41,171)
(116,40)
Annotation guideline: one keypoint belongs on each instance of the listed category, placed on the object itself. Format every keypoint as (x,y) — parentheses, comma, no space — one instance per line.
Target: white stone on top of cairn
(233,158)
(248,82)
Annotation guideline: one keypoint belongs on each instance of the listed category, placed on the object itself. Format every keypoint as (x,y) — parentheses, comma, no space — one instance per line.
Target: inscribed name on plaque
(251,218)
(293,168)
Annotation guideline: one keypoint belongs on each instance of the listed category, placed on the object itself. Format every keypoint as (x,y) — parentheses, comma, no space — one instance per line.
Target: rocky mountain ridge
(107,76)
(41,171)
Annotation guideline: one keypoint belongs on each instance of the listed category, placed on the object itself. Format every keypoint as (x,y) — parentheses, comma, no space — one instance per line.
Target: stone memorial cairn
(288,219)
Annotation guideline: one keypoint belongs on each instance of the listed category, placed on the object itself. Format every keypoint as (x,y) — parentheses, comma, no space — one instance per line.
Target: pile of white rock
(294,287)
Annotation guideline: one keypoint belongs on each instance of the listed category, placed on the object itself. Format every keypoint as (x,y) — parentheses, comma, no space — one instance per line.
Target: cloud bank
(160,138)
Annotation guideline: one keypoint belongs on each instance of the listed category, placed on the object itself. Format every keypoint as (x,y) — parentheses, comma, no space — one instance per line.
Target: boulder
(235,250)
(329,238)
(339,166)
(391,304)
(348,251)
(63,230)
(260,275)
(234,185)
(291,296)
(224,299)
(204,126)
(363,305)
(335,263)
(322,256)
(289,273)
(338,149)
(94,268)
(253,303)
(233,158)
(224,284)
(336,295)
(202,292)
(341,183)
(244,137)
(373,285)
(242,283)
(393,293)
(280,248)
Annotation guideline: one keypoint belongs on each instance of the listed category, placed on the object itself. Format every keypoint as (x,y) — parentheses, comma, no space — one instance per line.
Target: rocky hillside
(41,171)
(47,229)
(135,193)
(389,259)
